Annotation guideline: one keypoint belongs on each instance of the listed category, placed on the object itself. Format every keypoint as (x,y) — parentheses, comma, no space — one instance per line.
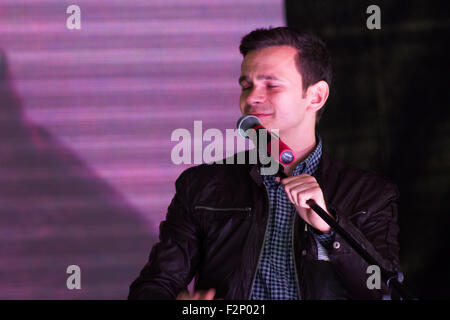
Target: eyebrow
(260,77)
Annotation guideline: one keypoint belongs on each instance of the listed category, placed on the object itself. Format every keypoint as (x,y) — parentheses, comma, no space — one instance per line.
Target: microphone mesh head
(247,122)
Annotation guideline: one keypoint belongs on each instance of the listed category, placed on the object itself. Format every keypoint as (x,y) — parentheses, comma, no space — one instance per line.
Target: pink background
(86,118)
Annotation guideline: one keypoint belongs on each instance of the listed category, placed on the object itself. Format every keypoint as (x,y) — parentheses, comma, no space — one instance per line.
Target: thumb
(210,294)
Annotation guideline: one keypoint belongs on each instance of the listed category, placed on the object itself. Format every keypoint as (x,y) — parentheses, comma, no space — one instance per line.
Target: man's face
(272,88)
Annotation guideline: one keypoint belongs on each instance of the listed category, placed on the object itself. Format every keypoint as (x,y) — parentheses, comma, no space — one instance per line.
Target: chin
(270,125)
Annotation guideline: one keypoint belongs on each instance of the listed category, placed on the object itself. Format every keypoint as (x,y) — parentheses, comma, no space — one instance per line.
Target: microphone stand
(389,277)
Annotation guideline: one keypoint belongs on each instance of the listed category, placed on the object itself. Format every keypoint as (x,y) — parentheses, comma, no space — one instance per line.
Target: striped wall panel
(85,125)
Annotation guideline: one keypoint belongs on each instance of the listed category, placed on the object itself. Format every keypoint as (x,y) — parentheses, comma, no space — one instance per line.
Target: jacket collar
(326,174)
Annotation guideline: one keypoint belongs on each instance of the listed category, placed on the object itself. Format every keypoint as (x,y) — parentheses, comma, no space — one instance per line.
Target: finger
(302,197)
(301,185)
(301,193)
(183,295)
(210,294)
(313,194)
(294,190)
(300,176)
(206,295)
(306,181)
(290,197)
(291,192)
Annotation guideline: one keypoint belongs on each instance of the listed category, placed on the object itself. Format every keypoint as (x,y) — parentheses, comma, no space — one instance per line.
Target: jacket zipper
(293,258)
(262,248)
(246,209)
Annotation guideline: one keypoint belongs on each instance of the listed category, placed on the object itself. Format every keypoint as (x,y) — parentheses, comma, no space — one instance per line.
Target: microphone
(285,154)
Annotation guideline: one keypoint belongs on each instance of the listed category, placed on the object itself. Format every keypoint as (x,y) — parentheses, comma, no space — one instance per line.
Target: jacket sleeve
(173,260)
(376,231)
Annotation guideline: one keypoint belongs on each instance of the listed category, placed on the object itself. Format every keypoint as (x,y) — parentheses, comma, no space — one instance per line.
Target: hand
(197,295)
(301,188)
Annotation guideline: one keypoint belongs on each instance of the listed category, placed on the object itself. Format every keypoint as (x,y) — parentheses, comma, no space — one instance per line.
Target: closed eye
(272,85)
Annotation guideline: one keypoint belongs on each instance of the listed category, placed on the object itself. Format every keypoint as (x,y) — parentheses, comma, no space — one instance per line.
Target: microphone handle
(285,154)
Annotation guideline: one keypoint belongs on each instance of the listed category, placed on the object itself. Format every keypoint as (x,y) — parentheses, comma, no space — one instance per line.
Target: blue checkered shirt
(275,277)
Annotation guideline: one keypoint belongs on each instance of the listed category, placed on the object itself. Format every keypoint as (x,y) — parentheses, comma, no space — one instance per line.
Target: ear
(317,95)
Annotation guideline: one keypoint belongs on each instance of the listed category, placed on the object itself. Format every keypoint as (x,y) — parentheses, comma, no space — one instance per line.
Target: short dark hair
(313,59)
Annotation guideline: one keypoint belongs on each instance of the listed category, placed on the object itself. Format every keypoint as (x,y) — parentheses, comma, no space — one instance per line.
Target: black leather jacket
(216,223)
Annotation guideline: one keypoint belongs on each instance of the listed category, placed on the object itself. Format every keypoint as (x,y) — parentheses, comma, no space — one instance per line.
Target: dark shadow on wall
(56,212)
(388,112)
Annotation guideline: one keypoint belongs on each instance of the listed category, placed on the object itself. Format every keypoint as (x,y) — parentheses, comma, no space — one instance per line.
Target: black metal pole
(389,277)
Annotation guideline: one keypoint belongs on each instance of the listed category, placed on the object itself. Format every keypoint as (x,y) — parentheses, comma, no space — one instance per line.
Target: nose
(256,96)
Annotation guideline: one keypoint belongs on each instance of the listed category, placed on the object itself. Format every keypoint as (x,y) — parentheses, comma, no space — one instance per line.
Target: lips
(260,114)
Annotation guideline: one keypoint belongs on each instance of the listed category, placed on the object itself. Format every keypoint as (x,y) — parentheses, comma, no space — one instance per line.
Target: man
(244,235)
